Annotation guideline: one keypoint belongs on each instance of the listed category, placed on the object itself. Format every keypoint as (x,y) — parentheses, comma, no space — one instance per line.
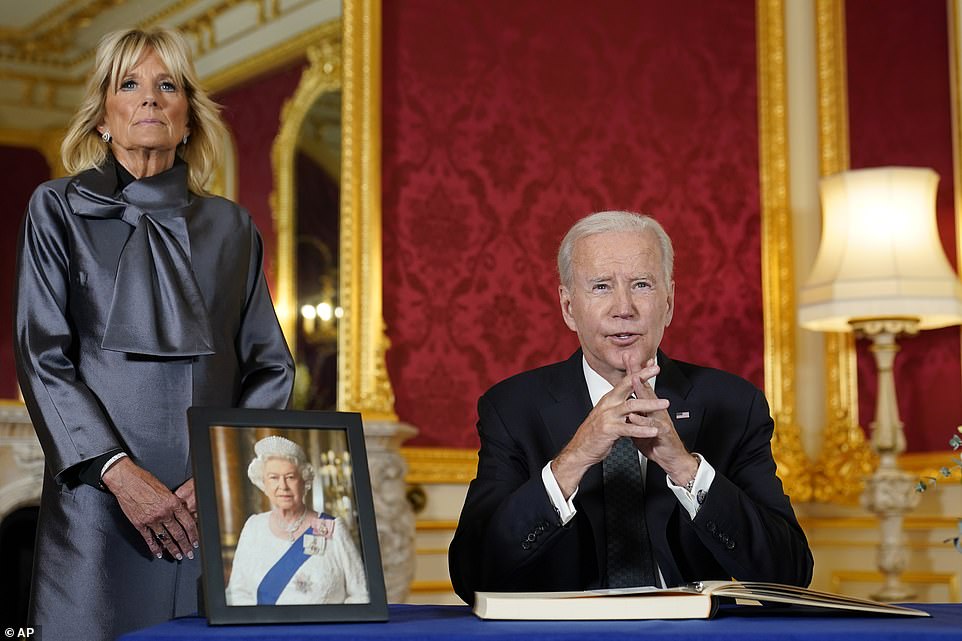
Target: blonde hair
(117,54)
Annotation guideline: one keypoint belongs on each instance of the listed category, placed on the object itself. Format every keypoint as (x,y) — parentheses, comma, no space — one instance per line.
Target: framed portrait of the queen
(286,517)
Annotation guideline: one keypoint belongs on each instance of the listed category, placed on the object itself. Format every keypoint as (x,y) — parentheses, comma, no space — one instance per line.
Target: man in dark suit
(704,502)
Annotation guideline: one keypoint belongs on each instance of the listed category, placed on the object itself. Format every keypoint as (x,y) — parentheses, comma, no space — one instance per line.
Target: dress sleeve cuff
(109,462)
(565,509)
(702,483)
(91,471)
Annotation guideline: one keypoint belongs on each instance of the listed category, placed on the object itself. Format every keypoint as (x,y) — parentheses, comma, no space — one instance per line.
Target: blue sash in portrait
(283,571)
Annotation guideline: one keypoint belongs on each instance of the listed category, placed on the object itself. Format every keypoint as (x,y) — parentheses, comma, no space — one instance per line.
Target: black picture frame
(219,440)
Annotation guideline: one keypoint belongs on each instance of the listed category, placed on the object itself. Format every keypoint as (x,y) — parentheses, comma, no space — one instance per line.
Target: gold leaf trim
(420,587)
(845,459)
(363,383)
(778,291)
(440,465)
(915,578)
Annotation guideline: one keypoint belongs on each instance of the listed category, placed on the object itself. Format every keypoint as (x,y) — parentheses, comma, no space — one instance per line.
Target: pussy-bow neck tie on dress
(157,308)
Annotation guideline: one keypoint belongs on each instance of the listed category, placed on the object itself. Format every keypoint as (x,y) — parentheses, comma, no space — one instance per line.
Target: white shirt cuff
(703,478)
(565,509)
(113,459)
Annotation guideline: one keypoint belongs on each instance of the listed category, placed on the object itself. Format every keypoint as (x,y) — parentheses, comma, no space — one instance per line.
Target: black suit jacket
(509,537)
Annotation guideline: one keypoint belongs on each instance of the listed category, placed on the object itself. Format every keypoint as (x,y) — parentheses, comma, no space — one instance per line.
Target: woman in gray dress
(138,295)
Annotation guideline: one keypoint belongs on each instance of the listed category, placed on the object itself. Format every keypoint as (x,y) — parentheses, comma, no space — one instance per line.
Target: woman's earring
(106,136)
(186,136)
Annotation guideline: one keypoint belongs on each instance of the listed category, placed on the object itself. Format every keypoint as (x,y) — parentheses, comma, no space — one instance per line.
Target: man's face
(617,301)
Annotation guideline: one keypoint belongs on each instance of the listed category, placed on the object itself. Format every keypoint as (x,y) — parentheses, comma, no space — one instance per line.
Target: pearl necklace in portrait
(292,528)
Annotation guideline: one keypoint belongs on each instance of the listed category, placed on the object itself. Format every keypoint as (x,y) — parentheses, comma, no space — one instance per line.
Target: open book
(694,601)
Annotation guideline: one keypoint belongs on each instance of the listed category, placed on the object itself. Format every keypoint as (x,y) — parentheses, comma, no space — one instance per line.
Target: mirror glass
(317,177)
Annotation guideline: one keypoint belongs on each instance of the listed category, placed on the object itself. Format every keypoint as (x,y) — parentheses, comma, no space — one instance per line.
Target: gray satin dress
(131,306)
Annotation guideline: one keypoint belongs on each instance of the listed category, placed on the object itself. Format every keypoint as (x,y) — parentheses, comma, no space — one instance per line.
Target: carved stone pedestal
(890,493)
(395,517)
(21,460)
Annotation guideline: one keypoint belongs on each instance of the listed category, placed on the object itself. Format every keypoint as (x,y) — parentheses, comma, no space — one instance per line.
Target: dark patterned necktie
(630,561)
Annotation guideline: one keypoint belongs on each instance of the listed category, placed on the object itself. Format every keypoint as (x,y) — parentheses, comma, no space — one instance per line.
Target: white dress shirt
(598,387)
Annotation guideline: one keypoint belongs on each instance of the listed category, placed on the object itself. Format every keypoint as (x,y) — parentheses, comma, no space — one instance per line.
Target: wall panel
(508,124)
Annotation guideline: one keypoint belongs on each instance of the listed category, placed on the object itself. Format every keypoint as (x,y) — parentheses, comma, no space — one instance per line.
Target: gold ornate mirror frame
(346,57)
(778,285)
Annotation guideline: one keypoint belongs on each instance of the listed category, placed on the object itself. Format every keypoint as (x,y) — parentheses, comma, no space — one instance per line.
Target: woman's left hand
(186,494)
(160,516)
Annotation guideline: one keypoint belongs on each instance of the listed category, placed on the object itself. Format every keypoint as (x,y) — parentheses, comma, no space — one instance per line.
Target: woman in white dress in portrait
(292,554)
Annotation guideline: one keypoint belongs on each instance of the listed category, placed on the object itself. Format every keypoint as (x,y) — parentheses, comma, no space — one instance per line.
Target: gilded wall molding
(440,465)
(51,39)
(950,581)
(845,459)
(43,64)
(363,383)
(955,91)
(322,74)
(778,283)
(346,58)
(275,57)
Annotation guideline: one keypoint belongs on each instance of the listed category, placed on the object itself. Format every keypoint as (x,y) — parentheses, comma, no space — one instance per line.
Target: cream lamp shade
(880,256)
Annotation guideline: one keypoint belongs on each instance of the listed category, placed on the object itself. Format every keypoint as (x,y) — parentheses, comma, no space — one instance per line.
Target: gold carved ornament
(778,288)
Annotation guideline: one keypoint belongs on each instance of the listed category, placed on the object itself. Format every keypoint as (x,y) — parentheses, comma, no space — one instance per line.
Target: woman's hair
(282,448)
(613,221)
(117,54)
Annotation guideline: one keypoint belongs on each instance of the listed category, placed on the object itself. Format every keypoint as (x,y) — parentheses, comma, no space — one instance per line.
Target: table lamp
(881,272)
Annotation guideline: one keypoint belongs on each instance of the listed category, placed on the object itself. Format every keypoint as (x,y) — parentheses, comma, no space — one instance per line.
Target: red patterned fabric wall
(23,170)
(504,122)
(252,111)
(900,114)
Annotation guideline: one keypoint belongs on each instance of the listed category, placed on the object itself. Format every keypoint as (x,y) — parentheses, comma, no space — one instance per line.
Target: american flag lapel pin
(679,415)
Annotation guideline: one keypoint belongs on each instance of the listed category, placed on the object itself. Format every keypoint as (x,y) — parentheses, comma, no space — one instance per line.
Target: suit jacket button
(729,544)
(531,537)
(710,526)
(525,545)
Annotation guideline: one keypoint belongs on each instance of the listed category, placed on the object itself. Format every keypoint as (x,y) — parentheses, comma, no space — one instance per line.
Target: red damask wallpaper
(23,170)
(900,114)
(503,123)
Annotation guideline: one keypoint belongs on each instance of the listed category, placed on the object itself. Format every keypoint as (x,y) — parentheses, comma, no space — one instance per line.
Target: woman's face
(147,112)
(283,484)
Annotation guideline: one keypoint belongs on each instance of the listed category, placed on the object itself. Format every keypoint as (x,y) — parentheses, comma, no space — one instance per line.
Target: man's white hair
(614,221)
(278,447)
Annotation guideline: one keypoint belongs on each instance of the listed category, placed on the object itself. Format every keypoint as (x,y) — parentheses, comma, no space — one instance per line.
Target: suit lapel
(660,502)
(563,415)
(672,384)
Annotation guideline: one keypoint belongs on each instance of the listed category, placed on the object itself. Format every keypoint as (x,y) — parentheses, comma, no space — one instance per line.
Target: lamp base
(890,494)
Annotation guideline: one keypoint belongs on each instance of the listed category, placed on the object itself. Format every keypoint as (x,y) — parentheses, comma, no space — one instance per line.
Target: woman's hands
(166,520)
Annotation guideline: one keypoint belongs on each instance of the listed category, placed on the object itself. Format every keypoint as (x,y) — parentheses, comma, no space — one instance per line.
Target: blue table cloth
(457,623)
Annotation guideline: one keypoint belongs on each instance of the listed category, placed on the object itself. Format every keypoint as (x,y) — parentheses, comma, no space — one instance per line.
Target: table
(456,623)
